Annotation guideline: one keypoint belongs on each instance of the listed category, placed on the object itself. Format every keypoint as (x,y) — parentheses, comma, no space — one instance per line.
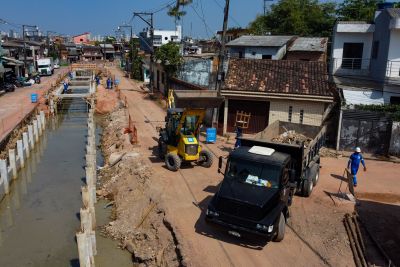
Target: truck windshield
(254,173)
(43,66)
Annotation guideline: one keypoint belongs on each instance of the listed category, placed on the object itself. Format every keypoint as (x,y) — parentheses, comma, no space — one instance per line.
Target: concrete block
(21,156)
(4,176)
(13,163)
(25,139)
(35,131)
(31,136)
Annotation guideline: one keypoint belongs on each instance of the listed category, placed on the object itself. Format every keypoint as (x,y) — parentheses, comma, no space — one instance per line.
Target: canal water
(40,217)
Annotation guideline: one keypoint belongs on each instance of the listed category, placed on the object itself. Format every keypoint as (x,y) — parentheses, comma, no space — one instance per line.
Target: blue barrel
(211,135)
(34,98)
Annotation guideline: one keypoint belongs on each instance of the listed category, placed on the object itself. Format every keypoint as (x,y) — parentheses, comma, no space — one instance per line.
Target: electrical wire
(230,16)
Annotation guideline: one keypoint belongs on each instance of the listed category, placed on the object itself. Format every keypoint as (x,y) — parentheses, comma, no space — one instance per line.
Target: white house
(366,58)
(161,37)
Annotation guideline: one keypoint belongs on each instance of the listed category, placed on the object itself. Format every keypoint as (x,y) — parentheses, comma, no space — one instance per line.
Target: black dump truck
(261,178)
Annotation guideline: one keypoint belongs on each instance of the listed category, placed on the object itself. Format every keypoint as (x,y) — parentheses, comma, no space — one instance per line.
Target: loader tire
(280,232)
(173,162)
(206,159)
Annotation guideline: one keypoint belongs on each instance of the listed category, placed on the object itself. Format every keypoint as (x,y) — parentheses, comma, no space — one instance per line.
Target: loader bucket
(197,99)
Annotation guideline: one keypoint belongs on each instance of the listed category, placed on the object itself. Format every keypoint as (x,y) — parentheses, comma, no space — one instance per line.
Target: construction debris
(291,137)
(126,183)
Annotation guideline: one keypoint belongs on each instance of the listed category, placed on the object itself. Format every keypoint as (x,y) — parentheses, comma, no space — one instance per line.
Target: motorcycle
(7,87)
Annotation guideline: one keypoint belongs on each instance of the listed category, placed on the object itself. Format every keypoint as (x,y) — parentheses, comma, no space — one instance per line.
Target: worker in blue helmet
(354,163)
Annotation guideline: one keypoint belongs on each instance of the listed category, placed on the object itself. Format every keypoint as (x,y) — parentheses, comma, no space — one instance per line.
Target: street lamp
(130,41)
(36,29)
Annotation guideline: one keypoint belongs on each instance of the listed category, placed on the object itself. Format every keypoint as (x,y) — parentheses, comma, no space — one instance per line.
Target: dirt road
(14,106)
(315,236)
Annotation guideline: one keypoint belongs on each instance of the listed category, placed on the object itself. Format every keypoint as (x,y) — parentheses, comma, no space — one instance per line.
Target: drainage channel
(40,216)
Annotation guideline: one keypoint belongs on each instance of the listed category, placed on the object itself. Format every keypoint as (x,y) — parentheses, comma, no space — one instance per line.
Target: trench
(39,218)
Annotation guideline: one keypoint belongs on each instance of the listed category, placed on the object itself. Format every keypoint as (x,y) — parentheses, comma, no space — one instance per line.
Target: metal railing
(353,64)
(393,69)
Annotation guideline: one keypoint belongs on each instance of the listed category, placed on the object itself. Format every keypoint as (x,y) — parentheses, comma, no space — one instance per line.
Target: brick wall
(311,56)
(313,111)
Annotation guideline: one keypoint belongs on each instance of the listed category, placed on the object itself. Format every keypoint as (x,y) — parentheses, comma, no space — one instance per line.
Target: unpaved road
(316,237)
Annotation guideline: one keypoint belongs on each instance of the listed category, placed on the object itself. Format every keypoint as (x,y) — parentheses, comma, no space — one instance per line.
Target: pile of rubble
(291,137)
(139,222)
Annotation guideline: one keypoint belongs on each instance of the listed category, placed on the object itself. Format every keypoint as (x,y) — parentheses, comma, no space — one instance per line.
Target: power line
(206,26)
(230,16)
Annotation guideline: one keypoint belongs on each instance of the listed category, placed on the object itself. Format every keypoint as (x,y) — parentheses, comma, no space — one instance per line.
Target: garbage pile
(291,137)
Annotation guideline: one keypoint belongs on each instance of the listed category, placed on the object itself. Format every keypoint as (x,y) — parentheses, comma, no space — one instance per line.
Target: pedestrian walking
(354,163)
(65,84)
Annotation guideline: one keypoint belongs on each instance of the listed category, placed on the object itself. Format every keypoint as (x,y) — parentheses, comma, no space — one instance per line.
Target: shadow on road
(339,177)
(211,230)
(382,222)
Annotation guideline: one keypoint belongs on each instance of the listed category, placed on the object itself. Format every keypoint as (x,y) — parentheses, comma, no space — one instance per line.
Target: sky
(71,17)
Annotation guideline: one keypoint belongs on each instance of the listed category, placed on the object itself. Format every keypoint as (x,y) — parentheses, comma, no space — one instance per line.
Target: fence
(16,158)
(86,237)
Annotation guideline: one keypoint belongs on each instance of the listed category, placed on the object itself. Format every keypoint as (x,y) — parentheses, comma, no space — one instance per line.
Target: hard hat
(358,150)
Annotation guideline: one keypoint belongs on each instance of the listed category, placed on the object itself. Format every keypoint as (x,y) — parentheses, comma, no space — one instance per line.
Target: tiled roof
(394,12)
(309,44)
(279,76)
(263,41)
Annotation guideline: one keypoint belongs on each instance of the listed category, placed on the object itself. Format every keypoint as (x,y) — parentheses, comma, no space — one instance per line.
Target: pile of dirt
(291,137)
(139,221)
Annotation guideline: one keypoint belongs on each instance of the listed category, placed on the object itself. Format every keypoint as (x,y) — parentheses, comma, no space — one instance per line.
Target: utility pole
(150,22)
(221,55)
(130,42)
(23,39)
(221,59)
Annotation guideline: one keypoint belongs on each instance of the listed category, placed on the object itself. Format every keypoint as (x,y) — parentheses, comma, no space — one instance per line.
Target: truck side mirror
(292,178)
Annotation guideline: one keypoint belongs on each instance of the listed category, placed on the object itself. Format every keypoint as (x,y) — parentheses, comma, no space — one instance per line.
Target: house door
(352,55)
(259,115)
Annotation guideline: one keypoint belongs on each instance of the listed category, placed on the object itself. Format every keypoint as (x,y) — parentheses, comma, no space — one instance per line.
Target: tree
(176,12)
(110,40)
(170,58)
(297,17)
(362,10)
(136,64)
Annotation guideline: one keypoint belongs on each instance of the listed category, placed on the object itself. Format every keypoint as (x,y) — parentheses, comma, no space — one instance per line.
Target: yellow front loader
(179,140)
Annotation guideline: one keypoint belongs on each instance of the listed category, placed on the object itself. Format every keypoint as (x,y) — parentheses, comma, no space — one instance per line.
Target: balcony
(351,66)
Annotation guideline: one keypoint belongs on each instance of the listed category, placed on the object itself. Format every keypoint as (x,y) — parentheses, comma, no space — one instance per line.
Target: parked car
(56,66)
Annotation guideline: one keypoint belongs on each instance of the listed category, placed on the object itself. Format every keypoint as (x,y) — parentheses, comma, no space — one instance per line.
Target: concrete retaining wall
(394,148)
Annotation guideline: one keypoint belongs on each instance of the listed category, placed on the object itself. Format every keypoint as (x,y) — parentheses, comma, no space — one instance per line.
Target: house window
(166,38)
(375,49)
(352,55)
(253,53)
(240,54)
(290,114)
(301,116)
(395,100)
(266,56)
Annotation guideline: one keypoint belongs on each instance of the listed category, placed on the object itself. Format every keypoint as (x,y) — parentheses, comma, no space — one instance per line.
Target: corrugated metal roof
(263,41)
(394,12)
(309,44)
(352,22)
(357,97)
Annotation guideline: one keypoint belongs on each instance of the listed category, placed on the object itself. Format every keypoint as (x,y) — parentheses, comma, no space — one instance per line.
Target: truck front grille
(191,149)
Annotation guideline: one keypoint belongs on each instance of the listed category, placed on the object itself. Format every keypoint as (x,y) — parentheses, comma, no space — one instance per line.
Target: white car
(56,66)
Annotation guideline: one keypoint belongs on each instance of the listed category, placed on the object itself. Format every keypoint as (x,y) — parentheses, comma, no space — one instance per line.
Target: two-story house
(366,69)
(366,58)
(160,37)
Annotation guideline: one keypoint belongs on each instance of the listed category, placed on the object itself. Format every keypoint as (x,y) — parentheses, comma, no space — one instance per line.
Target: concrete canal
(40,217)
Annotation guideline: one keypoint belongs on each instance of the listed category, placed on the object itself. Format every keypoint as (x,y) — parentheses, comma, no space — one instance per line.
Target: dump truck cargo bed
(197,99)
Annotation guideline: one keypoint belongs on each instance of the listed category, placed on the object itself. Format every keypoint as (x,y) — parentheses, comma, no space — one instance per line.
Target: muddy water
(38,220)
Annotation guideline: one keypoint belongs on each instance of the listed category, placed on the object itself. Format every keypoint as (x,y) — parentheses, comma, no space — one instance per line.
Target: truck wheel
(173,162)
(162,148)
(280,232)
(308,186)
(315,173)
(205,159)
